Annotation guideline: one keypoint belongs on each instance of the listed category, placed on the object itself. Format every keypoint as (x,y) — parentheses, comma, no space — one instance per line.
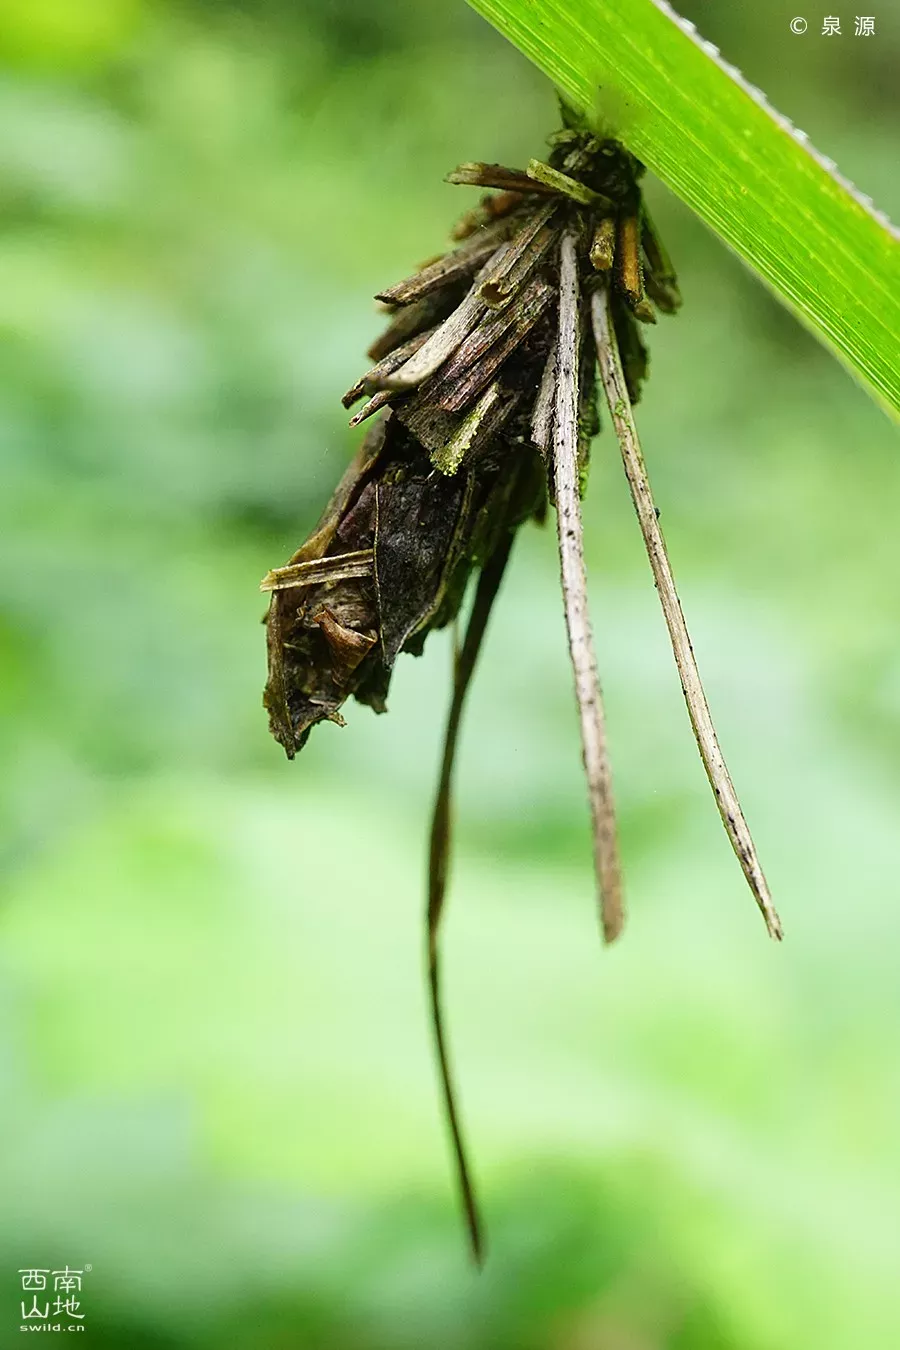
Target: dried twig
(339,568)
(412,319)
(630,272)
(372,378)
(495,176)
(500,282)
(738,831)
(446,338)
(369,409)
(548,177)
(474,364)
(457,265)
(488,585)
(528,306)
(603,244)
(574,584)
(507,267)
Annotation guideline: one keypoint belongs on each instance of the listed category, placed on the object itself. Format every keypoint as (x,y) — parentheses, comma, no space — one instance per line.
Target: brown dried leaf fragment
(348,646)
(416,518)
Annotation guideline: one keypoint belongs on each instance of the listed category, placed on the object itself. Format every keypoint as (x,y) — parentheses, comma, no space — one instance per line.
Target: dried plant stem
(464,666)
(458,265)
(372,378)
(318,570)
(613,380)
(574,585)
(369,409)
(460,383)
(549,177)
(442,343)
(495,176)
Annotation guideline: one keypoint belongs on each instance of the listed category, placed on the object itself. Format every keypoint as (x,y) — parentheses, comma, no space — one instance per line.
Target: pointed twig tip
(612,929)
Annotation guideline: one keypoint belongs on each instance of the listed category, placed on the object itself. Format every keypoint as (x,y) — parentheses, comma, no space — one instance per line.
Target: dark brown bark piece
(416,520)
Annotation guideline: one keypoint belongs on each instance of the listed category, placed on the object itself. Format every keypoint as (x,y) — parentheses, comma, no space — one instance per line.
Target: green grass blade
(714,141)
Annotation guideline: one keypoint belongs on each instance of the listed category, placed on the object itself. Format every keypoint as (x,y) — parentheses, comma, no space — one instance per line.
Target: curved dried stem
(438,860)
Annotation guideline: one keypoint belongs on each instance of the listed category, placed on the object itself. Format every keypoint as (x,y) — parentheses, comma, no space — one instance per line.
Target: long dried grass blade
(613,379)
(438,859)
(574,584)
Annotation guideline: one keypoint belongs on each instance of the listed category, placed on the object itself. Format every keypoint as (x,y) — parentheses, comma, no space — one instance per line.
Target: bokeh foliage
(214,1057)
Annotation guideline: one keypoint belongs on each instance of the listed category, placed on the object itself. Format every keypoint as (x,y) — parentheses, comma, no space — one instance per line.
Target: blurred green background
(215,1062)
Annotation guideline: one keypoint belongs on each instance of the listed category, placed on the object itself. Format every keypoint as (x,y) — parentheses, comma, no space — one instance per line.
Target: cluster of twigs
(488,367)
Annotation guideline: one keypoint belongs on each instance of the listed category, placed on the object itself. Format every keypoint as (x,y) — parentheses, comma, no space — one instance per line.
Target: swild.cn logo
(60,1313)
